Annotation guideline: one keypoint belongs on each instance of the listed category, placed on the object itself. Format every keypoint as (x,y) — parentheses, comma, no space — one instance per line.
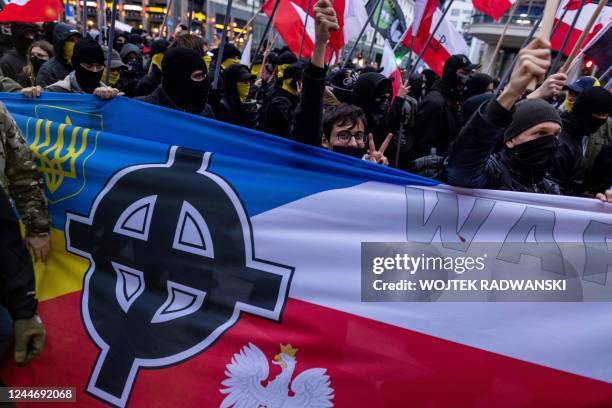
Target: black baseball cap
(460,61)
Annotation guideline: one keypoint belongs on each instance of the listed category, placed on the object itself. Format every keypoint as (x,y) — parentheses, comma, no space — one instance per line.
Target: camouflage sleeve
(24,182)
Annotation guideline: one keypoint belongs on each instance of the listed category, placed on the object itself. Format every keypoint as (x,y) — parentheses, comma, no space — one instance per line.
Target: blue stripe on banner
(266,171)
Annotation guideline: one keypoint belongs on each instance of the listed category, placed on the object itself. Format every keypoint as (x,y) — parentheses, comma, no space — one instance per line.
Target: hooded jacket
(367,88)
(229,107)
(17,273)
(12,63)
(132,74)
(57,68)
(160,98)
(474,163)
(437,122)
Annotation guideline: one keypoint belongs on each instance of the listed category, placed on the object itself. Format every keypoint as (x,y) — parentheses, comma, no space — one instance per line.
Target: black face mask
(118,46)
(36,64)
(533,157)
(357,152)
(188,94)
(87,80)
(591,124)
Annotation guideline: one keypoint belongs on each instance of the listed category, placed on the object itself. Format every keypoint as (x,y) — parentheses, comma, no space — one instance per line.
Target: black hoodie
(57,67)
(12,63)
(229,108)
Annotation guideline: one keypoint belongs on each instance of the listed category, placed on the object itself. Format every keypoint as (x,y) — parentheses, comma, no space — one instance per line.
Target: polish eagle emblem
(248,370)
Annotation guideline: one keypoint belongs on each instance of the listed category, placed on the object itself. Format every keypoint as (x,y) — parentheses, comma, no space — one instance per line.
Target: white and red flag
(446,42)
(566,24)
(423,14)
(290,16)
(31,11)
(493,8)
(390,68)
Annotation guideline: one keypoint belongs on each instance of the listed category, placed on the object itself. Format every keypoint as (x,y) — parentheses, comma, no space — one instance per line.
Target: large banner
(198,264)
(391,23)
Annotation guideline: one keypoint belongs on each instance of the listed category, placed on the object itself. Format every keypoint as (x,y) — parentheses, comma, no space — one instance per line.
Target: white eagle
(249,368)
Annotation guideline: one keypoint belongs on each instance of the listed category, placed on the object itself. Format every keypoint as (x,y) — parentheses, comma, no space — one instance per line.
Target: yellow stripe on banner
(62,273)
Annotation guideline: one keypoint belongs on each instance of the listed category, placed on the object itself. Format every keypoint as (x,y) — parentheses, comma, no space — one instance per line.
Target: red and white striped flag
(290,16)
(31,11)
(493,8)
(390,68)
(446,42)
(585,15)
(423,13)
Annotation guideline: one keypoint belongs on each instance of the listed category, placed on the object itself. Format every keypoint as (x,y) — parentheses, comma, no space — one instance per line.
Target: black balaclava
(21,42)
(453,81)
(529,161)
(116,45)
(477,85)
(177,66)
(416,85)
(87,51)
(369,87)
(592,101)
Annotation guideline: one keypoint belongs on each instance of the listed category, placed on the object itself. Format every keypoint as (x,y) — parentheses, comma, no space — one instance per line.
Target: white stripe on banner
(321,236)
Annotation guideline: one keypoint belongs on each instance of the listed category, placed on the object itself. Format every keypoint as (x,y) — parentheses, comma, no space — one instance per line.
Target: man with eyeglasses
(343,128)
(88,64)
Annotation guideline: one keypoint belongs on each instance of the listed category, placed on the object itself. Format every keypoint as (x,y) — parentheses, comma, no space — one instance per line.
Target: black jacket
(308,119)
(277,112)
(229,108)
(148,83)
(57,67)
(569,167)
(16,273)
(159,98)
(11,64)
(437,122)
(473,163)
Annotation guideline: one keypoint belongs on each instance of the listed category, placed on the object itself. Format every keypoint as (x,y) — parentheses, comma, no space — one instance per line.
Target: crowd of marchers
(555,139)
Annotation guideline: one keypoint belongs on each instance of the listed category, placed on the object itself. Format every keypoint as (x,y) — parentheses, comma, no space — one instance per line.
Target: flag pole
(356,43)
(84,18)
(265,32)
(368,58)
(501,38)
(165,20)
(409,50)
(557,60)
(228,17)
(190,16)
(548,18)
(304,30)
(580,42)
(420,56)
(111,40)
(527,40)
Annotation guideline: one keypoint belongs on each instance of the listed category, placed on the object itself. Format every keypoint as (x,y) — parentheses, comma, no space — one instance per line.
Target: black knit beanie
(87,51)
(529,113)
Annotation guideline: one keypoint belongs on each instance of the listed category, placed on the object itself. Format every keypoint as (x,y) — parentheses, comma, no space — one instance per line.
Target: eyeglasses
(346,135)
(93,67)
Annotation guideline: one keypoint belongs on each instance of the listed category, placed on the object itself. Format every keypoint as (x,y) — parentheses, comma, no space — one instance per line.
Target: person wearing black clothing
(119,41)
(152,79)
(56,69)
(185,83)
(18,319)
(529,135)
(232,106)
(478,84)
(12,62)
(340,129)
(589,113)
(438,119)
(279,106)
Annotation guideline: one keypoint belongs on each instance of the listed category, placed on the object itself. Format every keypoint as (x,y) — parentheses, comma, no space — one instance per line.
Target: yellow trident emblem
(57,161)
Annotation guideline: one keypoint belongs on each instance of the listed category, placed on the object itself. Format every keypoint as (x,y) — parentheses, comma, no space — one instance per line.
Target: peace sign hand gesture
(378,155)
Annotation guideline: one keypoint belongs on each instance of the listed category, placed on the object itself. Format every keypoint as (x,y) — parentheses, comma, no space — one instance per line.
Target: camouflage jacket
(19,176)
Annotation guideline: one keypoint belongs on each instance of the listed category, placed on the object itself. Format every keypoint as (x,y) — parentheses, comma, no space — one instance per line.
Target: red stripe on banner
(33,11)
(556,40)
(493,8)
(370,364)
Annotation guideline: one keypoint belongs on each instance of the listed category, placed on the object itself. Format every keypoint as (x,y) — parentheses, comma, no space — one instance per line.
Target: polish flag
(574,4)
(493,8)
(423,14)
(583,19)
(390,68)
(31,11)
(446,42)
(290,16)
